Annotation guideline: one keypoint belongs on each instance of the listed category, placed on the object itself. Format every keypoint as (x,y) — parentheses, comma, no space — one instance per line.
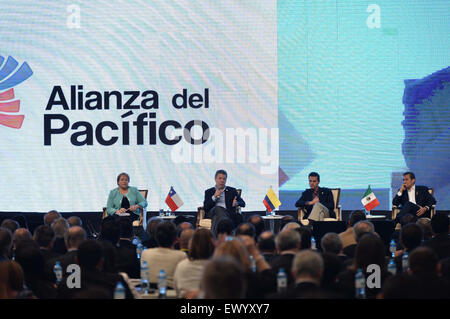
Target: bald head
(74,237)
(185,237)
(21,234)
(74,221)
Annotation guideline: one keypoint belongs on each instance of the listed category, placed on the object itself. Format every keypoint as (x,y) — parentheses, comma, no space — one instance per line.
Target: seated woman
(125,199)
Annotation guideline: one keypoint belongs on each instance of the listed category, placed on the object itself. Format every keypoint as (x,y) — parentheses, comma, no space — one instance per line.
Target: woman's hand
(134,208)
(120,211)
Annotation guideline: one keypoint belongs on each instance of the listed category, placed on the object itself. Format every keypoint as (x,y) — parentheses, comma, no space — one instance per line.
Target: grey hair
(362,227)
(287,239)
(60,227)
(331,243)
(308,262)
(291,226)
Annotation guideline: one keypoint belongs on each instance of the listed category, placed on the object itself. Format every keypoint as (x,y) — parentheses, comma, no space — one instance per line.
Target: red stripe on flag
(267,206)
(169,201)
(372,204)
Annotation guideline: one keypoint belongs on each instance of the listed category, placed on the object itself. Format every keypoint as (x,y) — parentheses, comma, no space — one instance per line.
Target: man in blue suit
(220,202)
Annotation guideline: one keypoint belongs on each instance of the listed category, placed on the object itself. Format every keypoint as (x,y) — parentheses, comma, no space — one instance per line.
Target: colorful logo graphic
(10,76)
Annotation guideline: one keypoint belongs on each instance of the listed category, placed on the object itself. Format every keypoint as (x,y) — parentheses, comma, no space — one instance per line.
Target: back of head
(361,228)
(308,263)
(234,248)
(370,250)
(440,223)
(11,279)
(166,234)
(356,216)
(246,229)
(266,242)
(89,254)
(74,221)
(411,236)
(185,237)
(223,278)
(258,223)
(291,226)
(60,227)
(10,224)
(423,262)
(30,258)
(125,228)
(332,266)
(44,236)
(50,217)
(5,241)
(401,286)
(75,236)
(305,235)
(202,244)
(425,225)
(286,220)
(21,234)
(151,226)
(331,243)
(225,226)
(181,227)
(288,240)
(110,231)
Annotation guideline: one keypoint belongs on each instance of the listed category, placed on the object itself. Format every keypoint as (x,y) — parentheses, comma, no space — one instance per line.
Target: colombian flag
(271,200)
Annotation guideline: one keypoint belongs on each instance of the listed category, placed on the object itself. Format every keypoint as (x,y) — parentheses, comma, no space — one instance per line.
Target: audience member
(50,217)
(44,236)
(286,219)
(74,221)
(73,238)
(5,244)
(266,245)
(184,239)
(181,227)
(164,256)
(331,243)
(60,227)
(127,260)
(440,242)
(425,224)
(224,229)
(291,225)
(348,236)
(245,229)
(30,258)
(305,235)
(410,238)
(11,280)
(151,231)
(10,224)
(258,224)
(188,272)
(224,278)
(307,270)
(288,244)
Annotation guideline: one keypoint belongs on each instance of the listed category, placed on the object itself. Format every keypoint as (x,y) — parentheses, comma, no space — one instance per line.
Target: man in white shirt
(413,199)
(163,256)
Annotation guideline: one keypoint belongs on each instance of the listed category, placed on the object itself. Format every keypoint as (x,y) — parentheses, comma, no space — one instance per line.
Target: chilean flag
(173,200)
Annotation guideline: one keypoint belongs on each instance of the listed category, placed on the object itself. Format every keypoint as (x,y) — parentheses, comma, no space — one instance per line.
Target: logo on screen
(11,74)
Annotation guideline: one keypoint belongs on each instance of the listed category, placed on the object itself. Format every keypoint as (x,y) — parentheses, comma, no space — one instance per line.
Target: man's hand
(218,193)
(399,253)
(235,201)
(315,200)
(402,188)
(421,211)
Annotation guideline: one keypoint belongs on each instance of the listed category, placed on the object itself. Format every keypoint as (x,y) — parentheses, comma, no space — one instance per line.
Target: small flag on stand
(173,200)
(271,200)
(369,200)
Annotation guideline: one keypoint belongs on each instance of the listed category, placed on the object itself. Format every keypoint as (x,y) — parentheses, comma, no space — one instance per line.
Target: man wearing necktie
(220,202)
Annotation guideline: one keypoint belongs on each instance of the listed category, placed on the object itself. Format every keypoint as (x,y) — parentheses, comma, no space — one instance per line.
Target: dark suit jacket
(230,193)
(325,198)
(127,260)
(423,198)
(308,290)
(440,244)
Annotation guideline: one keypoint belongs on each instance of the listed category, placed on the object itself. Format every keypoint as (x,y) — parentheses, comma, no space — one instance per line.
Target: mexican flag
(369,200)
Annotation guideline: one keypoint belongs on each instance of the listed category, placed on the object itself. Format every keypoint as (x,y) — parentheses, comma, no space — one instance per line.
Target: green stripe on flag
(368,191)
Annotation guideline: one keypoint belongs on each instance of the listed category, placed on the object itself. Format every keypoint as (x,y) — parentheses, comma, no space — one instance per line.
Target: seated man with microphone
(220,202)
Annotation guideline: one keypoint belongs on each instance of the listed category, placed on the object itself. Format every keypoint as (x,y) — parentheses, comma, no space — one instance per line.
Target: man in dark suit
(318,201)
(220,202)
(413,199)
(440,242)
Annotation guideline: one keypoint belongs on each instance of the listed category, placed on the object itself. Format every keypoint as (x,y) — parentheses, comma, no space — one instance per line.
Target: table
(271,219)
(132,283)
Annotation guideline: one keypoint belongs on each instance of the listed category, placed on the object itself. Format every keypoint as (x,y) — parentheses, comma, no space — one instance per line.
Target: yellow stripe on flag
(273,198)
